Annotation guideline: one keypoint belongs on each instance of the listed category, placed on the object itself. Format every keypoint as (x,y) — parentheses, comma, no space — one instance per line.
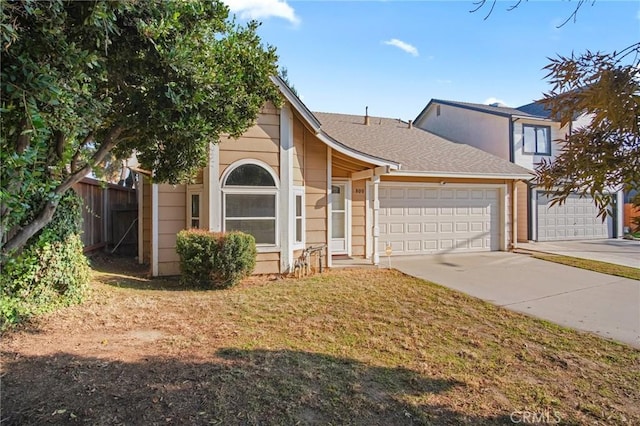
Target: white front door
(339,218)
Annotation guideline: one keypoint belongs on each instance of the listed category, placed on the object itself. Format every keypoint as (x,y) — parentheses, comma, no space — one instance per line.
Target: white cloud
(402,45)
(263,9)
(492,100)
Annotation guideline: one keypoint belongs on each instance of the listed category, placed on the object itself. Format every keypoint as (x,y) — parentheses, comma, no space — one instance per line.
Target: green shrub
(50,272)
(215,260)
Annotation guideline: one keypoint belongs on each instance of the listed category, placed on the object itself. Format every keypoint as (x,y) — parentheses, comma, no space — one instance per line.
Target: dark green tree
(603,155)
(83,79)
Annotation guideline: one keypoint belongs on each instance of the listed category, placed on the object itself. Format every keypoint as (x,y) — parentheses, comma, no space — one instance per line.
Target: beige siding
(267,263)
(171,220)
(523,212)
(146,220)
(315,178)
(259,142)
(298,151)
(358,214)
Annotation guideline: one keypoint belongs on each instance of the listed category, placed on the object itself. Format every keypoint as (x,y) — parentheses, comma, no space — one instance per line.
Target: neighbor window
(250,203)
(536,139)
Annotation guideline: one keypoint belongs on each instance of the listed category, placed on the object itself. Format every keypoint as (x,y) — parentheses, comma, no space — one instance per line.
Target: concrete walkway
(577,298)
(620,252)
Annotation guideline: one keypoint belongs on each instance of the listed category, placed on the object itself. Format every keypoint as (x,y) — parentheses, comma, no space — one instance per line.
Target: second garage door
(424,220)
(575,219)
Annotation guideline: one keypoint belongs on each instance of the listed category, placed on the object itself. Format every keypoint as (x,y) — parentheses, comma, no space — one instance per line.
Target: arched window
(250,202)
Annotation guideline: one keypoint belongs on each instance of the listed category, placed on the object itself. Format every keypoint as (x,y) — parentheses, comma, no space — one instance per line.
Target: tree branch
(24,137)
(47,211)
(76,155)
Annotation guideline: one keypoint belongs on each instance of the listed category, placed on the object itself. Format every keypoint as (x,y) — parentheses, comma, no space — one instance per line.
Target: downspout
(514,214)
(512,155)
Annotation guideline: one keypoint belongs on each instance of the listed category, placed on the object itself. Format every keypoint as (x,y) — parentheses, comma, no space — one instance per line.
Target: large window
(250,202)
(536,139)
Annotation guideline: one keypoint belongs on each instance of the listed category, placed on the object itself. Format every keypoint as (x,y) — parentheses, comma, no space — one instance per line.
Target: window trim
(298,191)
(258,190)
(192,190)
(535,151)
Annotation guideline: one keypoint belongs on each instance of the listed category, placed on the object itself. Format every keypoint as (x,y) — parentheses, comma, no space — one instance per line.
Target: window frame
(192,190)
(255,190)
(298,191)
(536,151)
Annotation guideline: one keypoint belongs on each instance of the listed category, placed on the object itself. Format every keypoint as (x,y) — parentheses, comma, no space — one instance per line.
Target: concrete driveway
(621,252)
(584,300)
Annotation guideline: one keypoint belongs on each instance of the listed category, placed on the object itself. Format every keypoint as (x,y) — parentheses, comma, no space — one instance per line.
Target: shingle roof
(415,149)
(536,109)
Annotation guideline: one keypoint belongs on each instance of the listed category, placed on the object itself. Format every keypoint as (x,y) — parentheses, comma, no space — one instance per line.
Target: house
(357,184)
(523,136)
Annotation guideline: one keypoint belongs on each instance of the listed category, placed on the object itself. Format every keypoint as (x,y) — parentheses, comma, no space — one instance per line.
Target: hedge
(214,259)
(51,271)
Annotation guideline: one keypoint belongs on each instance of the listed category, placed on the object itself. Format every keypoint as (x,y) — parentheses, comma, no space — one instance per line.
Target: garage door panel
(414,246)
(430,245)
(576,219)
(414,228)
(462,194)
(462,227)
(428,220)
(430,194)
(429,227)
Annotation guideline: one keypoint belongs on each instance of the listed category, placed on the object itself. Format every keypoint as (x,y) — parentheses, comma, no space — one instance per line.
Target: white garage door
(576,219)
(422,220)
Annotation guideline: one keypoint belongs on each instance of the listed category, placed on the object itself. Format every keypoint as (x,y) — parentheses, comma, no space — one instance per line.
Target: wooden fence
(109,212)
(629,214)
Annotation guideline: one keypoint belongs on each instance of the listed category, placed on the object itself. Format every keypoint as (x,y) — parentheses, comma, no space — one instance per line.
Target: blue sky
(394,56)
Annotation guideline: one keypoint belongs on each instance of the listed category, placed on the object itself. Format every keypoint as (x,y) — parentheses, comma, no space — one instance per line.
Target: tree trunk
(46,214)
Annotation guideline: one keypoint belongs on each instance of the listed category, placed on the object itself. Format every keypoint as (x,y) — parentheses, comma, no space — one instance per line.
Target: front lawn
(369,347)
(592,265)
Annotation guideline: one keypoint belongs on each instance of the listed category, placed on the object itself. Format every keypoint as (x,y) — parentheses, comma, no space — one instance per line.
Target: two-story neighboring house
(525,136)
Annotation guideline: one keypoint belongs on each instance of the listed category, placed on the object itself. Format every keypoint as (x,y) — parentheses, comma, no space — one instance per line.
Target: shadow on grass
(235,387)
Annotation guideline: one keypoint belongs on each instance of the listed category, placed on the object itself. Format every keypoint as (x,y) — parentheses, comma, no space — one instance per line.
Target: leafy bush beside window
(214,259)
(51,271)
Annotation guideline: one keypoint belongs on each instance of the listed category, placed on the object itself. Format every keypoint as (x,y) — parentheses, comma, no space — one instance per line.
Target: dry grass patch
(345,347)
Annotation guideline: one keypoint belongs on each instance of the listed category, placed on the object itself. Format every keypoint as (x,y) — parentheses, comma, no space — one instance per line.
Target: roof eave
(315,125)
(291,97)
(358,155)
(435,174)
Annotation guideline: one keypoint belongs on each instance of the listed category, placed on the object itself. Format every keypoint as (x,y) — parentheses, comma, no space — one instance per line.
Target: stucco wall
(487,132)
(530,161)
